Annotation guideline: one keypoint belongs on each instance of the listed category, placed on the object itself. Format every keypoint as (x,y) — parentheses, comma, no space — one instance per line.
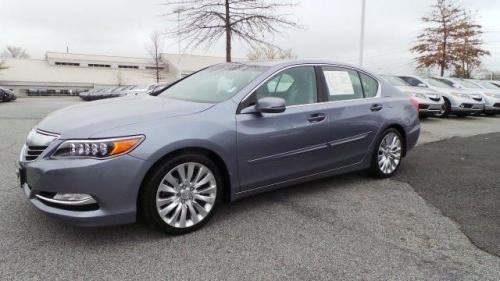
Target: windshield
(468,85)
(487,85)
(395,81)
(214,84)
(437,83)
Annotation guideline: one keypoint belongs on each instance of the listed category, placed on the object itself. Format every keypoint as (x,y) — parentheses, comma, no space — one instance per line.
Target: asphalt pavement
(423,224)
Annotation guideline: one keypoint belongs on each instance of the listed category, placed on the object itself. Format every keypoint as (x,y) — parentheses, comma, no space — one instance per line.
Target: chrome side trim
(288,153)
(297,179)
(349,139)
(83,202)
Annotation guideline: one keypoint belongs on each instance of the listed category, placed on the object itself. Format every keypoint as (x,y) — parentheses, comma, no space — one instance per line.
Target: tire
(377,170)
(446,109)
(179,204)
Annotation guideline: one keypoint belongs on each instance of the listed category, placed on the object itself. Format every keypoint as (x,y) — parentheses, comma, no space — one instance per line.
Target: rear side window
(342,84)
(370,85)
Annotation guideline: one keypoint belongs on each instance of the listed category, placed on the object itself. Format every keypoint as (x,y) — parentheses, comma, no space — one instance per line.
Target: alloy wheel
(389,153)
(186,195)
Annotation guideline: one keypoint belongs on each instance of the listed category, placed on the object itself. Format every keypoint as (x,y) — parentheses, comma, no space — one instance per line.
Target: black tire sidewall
(148,198)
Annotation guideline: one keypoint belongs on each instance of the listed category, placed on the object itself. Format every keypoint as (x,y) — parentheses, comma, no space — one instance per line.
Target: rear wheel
(182,194)
(387,154)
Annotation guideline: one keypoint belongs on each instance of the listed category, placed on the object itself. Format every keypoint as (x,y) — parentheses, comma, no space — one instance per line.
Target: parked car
(472,89)
(490,93)
(496,83)
(456,101)
(158,89)
(228,131)
(428,101)
(7,95)
(139,90)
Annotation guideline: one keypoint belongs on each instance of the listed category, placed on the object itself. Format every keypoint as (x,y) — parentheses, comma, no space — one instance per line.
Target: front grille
(32,152)
(423,106)
(466,105)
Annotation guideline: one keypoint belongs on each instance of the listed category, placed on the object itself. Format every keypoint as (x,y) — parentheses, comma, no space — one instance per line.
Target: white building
(65,73)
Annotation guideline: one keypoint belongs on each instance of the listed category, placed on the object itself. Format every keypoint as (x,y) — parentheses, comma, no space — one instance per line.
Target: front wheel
(182,194)
(387,154)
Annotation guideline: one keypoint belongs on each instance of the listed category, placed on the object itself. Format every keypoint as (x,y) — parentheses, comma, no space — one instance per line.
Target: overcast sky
(122,27)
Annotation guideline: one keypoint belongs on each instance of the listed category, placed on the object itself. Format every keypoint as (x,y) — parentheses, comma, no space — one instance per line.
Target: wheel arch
(401,131)
(218,160)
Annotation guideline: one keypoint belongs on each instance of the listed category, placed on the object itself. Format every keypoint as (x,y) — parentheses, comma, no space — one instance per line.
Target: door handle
(376,107)
(317,117)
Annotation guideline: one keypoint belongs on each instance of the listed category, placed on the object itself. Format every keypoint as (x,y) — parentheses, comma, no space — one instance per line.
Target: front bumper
(113,183)
(429,109)
(468,107)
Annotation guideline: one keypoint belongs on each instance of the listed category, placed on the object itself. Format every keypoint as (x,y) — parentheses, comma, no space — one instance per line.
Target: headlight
(417,95)
(98,148)
(492,95)
(460,95)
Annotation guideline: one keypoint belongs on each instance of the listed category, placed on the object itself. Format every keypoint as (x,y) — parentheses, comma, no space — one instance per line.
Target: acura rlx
(223,133)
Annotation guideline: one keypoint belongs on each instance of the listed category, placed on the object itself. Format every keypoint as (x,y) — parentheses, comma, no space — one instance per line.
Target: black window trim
(249,98)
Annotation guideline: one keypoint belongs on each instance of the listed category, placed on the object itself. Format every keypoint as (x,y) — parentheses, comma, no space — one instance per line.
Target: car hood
(88,119)
(421,90)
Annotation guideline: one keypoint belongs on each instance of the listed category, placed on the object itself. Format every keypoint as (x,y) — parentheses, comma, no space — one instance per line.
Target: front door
(274,147)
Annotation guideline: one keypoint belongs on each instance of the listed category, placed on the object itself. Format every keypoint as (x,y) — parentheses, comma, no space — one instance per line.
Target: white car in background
(456,101)
(491,95)
(139,90)
(473,90)
(428,101)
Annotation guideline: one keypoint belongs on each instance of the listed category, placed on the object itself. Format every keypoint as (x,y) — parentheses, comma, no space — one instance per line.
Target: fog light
(73,197)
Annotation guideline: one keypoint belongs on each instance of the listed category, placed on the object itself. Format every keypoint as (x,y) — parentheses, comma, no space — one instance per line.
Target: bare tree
(15,52)
(270,53)
(155,48)
(204,22)
(468,47)
(433,47)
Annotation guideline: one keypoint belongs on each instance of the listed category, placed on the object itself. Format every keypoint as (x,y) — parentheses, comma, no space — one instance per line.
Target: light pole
(178,11)
(362,37)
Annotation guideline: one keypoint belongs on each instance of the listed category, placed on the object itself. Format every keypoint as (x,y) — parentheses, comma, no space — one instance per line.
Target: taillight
(415,103)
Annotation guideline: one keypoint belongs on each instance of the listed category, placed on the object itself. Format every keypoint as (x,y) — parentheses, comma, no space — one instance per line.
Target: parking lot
(438,219)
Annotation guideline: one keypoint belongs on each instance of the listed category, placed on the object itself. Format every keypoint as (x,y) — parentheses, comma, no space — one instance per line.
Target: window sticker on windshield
(339,83)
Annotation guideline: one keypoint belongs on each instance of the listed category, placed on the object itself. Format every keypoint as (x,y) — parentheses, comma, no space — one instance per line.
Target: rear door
(354,112)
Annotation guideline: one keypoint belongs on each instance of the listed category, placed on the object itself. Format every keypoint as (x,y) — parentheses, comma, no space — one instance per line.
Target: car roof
(286,63)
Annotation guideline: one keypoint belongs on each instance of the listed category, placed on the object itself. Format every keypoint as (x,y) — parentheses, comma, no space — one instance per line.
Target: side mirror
(266,105)
(270,105)
(422,85)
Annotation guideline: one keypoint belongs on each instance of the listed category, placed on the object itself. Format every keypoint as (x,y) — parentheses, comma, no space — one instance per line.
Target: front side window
(342,84)
(214,84)
(296,86)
